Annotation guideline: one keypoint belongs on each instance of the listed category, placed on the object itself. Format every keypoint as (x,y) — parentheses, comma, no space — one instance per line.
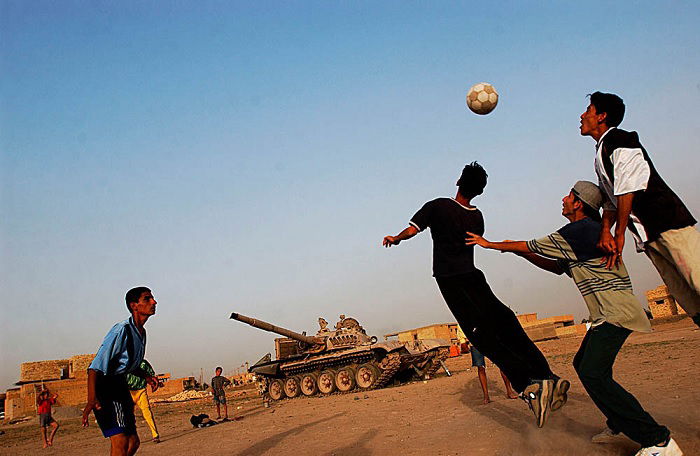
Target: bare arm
(92,402)
(408,233)
(543,263)
(519,248)
(624,209)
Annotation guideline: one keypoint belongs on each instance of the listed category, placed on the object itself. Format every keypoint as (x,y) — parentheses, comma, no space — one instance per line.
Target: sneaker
(670,449)
(607,435)
(539,398)
(559,396)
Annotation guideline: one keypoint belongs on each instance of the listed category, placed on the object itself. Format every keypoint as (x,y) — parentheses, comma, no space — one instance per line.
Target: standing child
(44,402)
(488,324)
(218,382)
(137,388)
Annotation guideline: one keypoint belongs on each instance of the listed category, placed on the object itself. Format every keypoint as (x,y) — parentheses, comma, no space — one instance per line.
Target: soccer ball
(482,98)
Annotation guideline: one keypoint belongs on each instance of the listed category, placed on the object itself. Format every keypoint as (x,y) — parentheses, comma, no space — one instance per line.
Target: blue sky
(250,157)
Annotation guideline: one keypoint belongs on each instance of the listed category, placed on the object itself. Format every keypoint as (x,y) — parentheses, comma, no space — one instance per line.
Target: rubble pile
(185,396)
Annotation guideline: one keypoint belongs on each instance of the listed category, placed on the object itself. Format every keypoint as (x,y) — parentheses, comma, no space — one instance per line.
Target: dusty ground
(443,416)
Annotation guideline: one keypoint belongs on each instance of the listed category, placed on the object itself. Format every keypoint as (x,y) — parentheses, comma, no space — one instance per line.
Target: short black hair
(472,181)
(588,211)
(610,104)
(134,295)
(219,368)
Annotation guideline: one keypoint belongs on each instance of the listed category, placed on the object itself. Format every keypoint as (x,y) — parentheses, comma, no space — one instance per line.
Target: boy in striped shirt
(614,314)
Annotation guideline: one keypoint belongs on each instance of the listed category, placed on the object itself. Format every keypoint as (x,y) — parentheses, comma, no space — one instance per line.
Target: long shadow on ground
(270,442)
(357,447)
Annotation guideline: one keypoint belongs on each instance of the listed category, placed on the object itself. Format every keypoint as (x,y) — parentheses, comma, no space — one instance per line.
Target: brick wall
(665,309)
(79,365)
(43,370)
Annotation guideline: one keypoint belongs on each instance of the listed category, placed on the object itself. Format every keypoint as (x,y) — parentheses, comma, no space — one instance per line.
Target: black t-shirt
(449,222)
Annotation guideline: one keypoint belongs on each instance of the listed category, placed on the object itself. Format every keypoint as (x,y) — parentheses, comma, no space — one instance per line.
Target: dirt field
(441,417)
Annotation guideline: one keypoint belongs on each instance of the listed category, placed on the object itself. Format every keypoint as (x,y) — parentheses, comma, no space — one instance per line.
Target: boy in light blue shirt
(121,353)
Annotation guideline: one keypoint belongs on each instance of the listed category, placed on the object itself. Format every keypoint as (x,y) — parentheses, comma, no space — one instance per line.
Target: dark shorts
(45,419)
(477,358)
(117,413)
(220,398)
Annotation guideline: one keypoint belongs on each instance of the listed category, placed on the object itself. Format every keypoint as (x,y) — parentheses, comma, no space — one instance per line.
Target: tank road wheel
(366,375)
(291,387)
(276,390)
(345,379)
(309,385)
(326,381)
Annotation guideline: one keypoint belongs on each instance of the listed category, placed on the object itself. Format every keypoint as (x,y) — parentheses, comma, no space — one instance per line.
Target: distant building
(67,378)
(662,304)
(546,328)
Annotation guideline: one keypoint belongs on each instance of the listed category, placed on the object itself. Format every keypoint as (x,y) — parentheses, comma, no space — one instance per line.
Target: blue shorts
(117,413)
(477,358)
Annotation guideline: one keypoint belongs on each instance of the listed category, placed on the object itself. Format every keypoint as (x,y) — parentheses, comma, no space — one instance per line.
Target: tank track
(390,365)
(442,354)
(321,364)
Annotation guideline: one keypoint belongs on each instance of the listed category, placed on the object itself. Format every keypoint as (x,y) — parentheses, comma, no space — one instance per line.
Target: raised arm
(520,248)
(408,233)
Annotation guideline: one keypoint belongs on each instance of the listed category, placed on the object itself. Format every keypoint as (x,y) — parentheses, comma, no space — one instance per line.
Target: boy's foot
(512,395)
(539,398)
(559,396)
(607,435)
(155,440)
(669,449)
(486,400)
(46,445)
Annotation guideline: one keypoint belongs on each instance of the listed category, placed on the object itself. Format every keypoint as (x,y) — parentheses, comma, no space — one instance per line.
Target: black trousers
(493,328)
(593,364)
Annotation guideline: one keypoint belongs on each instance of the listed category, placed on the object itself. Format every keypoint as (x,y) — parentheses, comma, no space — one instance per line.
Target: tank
(340,360)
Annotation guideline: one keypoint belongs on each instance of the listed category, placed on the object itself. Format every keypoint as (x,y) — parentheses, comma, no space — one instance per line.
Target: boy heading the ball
(488,324)
(614,314)
(637,197)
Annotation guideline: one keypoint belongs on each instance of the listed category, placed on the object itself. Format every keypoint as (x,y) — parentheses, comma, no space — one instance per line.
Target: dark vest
(657,207)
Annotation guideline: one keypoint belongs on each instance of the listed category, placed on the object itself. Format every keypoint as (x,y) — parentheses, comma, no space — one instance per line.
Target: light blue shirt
(122,349)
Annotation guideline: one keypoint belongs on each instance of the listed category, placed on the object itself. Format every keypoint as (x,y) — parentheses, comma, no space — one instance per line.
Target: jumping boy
(638,198)
(488,324)
(614,314)
(121,353)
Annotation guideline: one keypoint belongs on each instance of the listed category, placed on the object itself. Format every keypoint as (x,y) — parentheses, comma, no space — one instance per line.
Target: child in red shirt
(44,402)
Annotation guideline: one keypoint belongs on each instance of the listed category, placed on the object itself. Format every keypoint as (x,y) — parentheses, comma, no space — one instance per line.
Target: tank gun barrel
(276,329)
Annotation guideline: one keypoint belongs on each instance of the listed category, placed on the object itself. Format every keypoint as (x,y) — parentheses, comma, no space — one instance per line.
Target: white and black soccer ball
(482,98)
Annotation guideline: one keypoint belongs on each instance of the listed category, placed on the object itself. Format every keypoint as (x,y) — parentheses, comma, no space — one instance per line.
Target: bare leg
(510,394)
(484,385)
(55,427)
(119,445)
(134,443)
(218,411)
(44,440)
(225,411)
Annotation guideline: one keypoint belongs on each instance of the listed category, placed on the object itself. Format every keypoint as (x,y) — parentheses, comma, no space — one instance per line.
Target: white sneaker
(671,449)
(608,436)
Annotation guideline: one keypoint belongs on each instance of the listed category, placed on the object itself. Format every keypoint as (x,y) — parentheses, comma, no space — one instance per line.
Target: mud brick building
(662,304)
(537,329)
(68,379)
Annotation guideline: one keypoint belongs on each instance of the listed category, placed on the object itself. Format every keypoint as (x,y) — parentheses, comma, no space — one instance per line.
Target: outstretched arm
(520,248)
(408,233)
